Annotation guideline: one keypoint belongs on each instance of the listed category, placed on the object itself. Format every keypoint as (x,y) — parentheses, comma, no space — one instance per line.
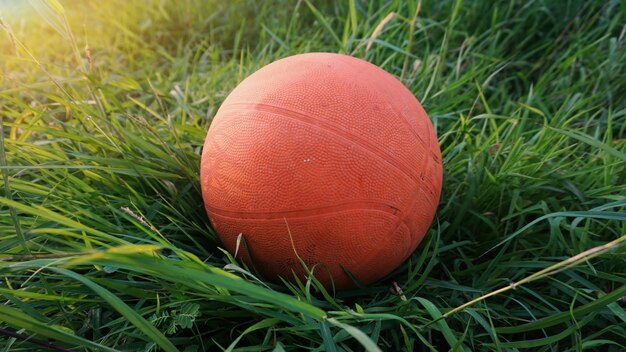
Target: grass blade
(358,335)
(133,317)
(320,17)
(20,320)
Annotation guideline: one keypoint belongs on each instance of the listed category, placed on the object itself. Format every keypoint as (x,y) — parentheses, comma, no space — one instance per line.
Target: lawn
(105,244)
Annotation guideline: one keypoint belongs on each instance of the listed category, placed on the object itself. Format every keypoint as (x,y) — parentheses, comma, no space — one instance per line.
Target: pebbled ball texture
(331,152)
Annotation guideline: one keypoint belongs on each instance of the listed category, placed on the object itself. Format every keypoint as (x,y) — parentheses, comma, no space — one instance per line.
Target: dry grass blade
(379,28)
(551,270)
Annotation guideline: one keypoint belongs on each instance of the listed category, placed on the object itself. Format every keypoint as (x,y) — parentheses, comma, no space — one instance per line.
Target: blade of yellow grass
(378,30)
(551,270)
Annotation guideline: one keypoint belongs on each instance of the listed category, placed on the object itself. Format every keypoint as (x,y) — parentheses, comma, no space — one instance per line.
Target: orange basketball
(326,158)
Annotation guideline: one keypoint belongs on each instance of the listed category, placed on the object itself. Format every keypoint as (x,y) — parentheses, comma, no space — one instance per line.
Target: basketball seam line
(362,143)
(303,213)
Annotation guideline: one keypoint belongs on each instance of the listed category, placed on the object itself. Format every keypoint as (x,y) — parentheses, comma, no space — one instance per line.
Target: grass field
(105,245)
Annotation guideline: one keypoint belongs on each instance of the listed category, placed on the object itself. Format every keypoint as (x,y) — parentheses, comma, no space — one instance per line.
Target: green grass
(104,243)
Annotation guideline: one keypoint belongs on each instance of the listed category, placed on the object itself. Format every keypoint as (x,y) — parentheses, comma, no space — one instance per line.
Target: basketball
(326,159)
